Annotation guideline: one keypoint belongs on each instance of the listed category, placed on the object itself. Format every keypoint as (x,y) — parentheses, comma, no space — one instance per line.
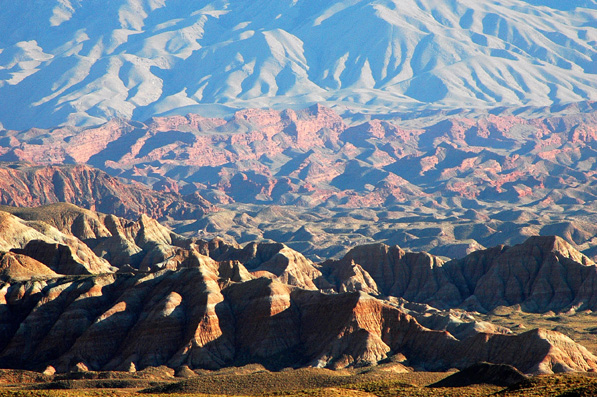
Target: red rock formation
(65,259)
(314,157)
(182,318)
(16,267)
(27,186)
(275,261)
(544,273)
(347,276)
(468,152)
(63,253)
(195,303)
(414,276)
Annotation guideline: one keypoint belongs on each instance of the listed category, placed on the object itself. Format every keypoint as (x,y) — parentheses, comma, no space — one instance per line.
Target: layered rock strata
(182,317)
(84,290)
(541,274)
(27,185)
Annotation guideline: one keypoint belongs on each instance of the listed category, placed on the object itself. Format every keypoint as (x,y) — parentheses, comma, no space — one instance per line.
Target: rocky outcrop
(16,267)
(26,185)
(90,242)
(266,155)
(448,188)
(413,276)
(208,304)
(64,259)
(182,317)
(542,274)
(460,324)
(275,261)
(347,276)
(63,253)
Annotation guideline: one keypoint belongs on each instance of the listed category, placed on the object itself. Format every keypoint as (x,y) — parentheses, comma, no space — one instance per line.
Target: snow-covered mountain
(85,61)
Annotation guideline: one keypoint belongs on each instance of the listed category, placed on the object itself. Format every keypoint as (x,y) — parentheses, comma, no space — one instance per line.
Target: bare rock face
(480,171)
(269,324)
(544,273)
(457,323)
(89,242)
(414,276)
(534,352)
(191,303)
(15,233)
(182,317)
(16,267)
(67,218)
(275,261)
(64,259)
(63,253)
(25,185)
(346,276)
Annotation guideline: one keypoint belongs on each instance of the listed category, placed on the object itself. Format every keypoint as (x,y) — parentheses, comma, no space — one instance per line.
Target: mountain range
(262,186)
(85,62)
(83,291)
(321,183)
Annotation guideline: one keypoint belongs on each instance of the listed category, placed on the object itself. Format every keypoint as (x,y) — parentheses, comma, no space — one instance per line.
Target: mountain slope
(543,273)
(25,185)
(65,61)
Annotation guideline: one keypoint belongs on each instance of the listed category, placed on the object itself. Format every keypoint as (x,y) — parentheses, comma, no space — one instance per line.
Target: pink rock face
(244,158)
(27,186)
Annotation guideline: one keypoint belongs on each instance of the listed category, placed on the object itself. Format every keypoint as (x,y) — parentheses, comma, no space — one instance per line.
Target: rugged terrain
(86,291)
(25,185)
(251,195)
(321,183)
(135,59)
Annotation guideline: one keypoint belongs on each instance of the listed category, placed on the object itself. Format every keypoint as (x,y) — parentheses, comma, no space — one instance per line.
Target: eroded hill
(84,290)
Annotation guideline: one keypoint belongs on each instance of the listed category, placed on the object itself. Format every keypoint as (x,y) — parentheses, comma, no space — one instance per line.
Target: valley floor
(313,382)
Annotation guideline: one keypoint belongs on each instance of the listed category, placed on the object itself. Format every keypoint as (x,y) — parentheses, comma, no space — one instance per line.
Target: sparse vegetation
(579,326)
(292,383)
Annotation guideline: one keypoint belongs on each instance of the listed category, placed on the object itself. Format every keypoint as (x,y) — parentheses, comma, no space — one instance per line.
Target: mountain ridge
(24,184)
